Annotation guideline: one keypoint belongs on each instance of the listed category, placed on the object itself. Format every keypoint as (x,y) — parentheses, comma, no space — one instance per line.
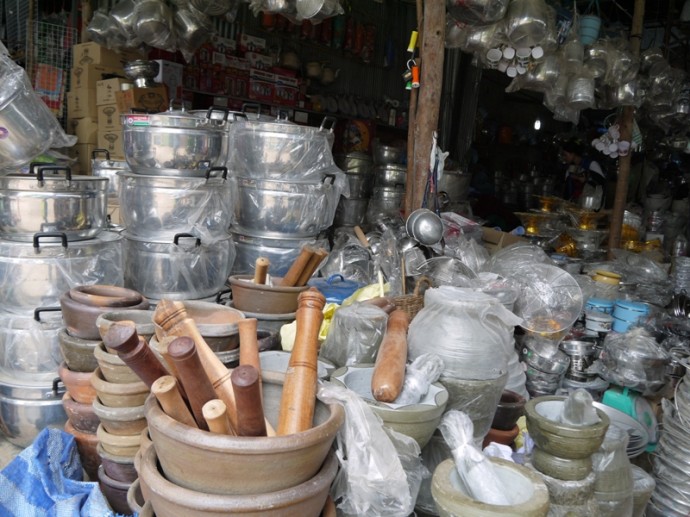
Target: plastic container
(599,304)
(589,28)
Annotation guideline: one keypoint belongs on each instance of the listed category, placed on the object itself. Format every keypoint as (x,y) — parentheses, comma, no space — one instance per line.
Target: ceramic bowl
(216,323)
(118,444)
(135,499)
(301,499)
(87,444)
(143,320)
(120,420)
(561,468)
(130,394)
(274,364)
(559,439)
(77,352)
(112,367)
(114,491)
(81,416)
(117,467)
(221,464)
(78,384)
(248,296)
(418,421)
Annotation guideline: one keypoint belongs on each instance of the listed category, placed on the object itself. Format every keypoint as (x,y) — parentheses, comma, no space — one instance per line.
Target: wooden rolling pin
(295,271)
(134,351)
(299,388)
(261,270)
(216,416)
(250,410)
(389,368)
(359,233)
(169,397)
(313,264)
(196,383)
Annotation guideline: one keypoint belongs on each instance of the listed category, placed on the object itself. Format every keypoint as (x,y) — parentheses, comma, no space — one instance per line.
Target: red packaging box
(261,86)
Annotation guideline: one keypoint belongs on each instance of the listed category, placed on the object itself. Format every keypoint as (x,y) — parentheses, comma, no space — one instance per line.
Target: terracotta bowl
(120,420)
(87,444)
(144,444)
(77,352)
(78,384)
(147,510)
(81,416)
(419,421)
(112,367)
(171,500)
(105,295)
(114,491)
(143,320)
(220,464)
(118,444)
(274,364)
(510,408)
(248,296)
(130,394)
(117,467)
(216,323)
(562,440)
(135,499)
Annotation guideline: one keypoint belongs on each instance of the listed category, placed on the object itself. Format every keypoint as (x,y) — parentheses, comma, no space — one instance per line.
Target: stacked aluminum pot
(358,167)
(103,167)
(51,239)
(288,189)
(390,175)
(176,204)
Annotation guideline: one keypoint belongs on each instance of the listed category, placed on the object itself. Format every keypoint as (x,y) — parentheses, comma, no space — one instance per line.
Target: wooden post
(626,127)
(411,124)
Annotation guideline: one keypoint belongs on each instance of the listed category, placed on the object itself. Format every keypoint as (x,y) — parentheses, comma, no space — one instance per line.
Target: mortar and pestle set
(215,450)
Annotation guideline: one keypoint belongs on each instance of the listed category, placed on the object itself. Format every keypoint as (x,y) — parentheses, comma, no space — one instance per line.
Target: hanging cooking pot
(50,199)
(173,143)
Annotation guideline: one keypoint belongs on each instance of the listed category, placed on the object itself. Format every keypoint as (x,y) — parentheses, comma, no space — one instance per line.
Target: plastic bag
(380,470)
(477,13)
(613,487)
(419,375)
(476,472)
(578,409)
(526,22)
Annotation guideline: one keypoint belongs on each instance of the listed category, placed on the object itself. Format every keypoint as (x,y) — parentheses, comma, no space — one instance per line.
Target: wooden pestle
(298,400)
(250,409)
(319,255)
(329,508)
(172,317)
(261,270)
(389,368)
(169,397)
(196,383)
(161,346)
(296,268)
(249,344)
(216,415)
(134,351)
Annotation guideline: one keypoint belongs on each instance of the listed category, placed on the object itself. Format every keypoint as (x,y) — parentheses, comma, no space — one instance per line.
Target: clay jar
(120,420)
(78,384)
(81,416)
(130,394)
(87,444)
(77,352)
(559,439)
(112,367)
(115,492)
(81,307)
(510,408)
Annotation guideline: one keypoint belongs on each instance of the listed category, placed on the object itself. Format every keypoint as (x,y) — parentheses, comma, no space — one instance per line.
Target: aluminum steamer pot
(184,268)
(158,207)
(173,143)
(351,212)
(50,199)
(107,168)
(358,167)
(35,275)
(273,208)
(27,407)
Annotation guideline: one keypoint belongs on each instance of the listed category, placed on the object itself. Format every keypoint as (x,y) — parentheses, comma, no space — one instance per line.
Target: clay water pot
(130,394)
(117,467)
(81,416)
(114,491)
(220,464)
(112,367)
(265,299)
(135,499)
(559,439)
(143,321)
(77,352)
(78,384)
(120,420)
(167,498)
(510,408)
(118,444)
(87,444)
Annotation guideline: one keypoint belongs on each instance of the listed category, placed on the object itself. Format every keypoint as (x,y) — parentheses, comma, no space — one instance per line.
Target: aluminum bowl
(384,154)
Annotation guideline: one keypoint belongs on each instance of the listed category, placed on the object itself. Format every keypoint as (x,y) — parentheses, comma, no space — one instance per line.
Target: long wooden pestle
(216,415)
(297,267)
(166,390)
(389,368)
(298,400)
(311,267)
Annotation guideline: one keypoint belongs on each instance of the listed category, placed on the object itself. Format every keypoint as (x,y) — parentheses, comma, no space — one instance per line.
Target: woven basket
(412,303)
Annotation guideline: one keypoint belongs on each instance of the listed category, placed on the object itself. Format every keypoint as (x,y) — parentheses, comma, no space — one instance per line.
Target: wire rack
(48,62)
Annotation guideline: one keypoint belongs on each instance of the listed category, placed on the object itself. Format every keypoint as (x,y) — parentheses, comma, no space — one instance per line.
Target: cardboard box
(249,43)
(81,103)
(152,100)
(109,118)
(259,61)
(225,46)
(237,82)
(82,153)
(171,75)
(111,141)
(86,76)
(92,53)
(494,240)
(287,90)
(261,86)
(105,90)
(85,129)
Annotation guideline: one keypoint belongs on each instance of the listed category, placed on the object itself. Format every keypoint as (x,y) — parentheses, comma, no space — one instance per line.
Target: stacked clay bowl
(189,471)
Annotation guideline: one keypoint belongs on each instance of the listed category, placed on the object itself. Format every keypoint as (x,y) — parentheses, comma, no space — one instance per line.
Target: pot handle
(95,152)
(39,310)
(39,235)
(328,124)
(221,293)
(56,386)
(233,116)
(39,168)
(247,106)
(283,116)
(222,170)
(178,236)
(213,109)
(335,276)
(328,177)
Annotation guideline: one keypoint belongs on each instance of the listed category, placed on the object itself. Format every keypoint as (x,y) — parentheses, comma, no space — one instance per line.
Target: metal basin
(158,207)
(50,199)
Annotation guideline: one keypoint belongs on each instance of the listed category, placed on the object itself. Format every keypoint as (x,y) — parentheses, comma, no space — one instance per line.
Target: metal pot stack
(176,204)
(288,189)
(103,167)
(390,175)
(51,238)
(358,167)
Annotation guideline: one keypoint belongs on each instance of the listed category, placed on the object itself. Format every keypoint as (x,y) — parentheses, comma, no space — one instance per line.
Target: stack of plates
(638,436)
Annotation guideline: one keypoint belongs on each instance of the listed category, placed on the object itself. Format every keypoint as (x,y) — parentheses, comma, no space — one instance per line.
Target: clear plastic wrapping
(578,409)
(28,347)
(526,22)
(350,259)
(419,375)
(613,486)
(380,470)
(637,266)
(477,13)
(355,335)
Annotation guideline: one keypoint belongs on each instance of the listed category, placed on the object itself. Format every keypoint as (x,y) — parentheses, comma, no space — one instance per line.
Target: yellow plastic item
(288,331)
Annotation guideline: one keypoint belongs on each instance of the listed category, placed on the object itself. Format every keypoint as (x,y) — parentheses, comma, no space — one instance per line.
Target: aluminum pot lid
(104,162)
(48,177)
(282,125)
(179,238)
(171,119)
(44,248)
